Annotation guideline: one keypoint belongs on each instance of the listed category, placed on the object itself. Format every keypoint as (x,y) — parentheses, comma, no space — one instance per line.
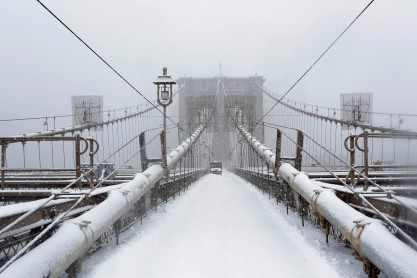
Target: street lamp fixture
(164,96)
(164,88)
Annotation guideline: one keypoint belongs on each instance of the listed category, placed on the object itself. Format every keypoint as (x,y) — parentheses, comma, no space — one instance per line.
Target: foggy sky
(42,65)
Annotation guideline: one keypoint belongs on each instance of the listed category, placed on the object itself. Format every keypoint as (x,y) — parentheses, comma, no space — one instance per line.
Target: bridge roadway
(223,227)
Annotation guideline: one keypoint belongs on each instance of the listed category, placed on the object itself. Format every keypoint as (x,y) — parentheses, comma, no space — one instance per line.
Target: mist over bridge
(309,186)
(73,190)
(197,96)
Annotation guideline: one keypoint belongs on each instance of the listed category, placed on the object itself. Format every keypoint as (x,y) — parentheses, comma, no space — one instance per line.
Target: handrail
(367,236)
(75,236)
(88,142)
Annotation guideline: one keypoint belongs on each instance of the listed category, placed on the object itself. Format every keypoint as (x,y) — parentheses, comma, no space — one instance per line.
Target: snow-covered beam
(76,236)
(367,236)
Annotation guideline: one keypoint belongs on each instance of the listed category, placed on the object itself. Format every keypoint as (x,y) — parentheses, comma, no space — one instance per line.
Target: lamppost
(164,94)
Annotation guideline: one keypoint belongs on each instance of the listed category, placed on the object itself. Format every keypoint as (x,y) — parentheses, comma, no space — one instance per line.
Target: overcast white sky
(42,65)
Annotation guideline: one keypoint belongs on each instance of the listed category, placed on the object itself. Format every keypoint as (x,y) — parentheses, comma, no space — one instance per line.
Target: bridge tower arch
(197,96)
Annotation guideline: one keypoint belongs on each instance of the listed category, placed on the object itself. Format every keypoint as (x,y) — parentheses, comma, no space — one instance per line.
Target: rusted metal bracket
(368,267)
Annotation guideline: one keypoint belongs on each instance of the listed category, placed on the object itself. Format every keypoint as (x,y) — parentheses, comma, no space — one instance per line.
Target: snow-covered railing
(73,129)
(76,236)
(363,126)
(368,236)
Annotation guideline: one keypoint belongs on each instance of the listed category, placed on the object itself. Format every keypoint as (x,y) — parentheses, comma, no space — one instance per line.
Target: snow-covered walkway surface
(223,227)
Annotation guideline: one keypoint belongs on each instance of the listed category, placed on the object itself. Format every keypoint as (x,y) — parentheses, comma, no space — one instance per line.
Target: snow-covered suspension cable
(406,237)
(81,198)
(54,195)
(101,58)
(73,239)
(360,174)
(64,214)
(367,236)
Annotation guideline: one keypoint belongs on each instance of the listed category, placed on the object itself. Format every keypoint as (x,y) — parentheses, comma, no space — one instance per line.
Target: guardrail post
(241,153)
(277,152)
(74,268)
(91,154)
(365,159)
(247,157)
(143,158)
(3,163)
(352,159)
(179,183)
(164,154)
(301,208)
(117,226)
(299,150)
(179,135)
(192,160)
(77,160)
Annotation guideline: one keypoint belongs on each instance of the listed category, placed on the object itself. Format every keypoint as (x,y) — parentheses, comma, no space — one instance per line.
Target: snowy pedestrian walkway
(221,227)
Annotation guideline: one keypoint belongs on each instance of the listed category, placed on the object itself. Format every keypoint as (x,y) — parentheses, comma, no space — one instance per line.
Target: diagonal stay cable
(311,67)
(393,196)
(101,58)
(406,237)
(65,213)
(308,70)
(54,195)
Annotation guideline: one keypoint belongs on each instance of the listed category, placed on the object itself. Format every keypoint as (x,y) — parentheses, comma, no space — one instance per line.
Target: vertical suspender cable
(52,154)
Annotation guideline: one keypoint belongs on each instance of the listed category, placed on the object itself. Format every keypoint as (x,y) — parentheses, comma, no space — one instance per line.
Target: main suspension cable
(311,67)
(104,61)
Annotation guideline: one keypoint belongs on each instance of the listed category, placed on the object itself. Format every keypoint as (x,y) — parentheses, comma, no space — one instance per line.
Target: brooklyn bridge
(300,189)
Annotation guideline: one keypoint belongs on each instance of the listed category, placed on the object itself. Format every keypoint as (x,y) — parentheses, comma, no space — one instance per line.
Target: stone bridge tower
(197,96)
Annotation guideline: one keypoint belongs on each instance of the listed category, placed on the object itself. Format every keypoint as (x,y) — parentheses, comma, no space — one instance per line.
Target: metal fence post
(241,154)
(366,159)
(142,146)
(77,160)
(91,154)
(3,163)
(164,153)
(299,150)
(277,152)
(74,268)
(352,159)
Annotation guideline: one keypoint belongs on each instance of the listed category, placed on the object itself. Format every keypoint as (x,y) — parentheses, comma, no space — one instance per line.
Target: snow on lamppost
(164,94)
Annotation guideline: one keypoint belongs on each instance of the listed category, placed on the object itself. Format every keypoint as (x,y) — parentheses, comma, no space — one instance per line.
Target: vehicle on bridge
(216,167)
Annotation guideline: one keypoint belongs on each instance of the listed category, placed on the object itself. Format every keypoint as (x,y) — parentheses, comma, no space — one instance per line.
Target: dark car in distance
(216,167)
